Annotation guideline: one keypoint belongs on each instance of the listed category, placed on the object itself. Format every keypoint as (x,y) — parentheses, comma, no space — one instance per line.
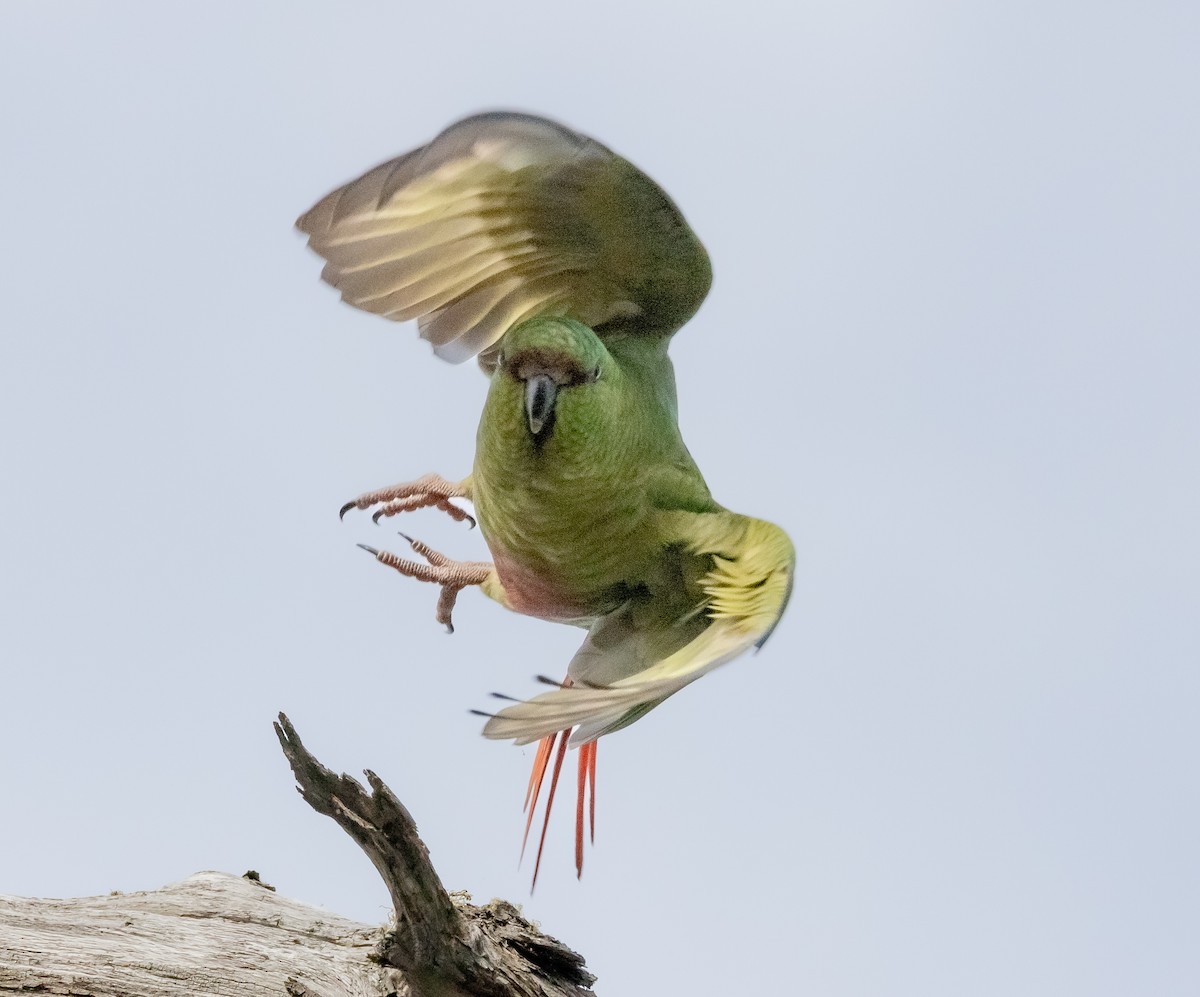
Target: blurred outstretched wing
(503,217)
(617,678)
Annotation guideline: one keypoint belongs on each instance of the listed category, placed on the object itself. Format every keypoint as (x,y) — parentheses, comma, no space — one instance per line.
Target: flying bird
(565,271)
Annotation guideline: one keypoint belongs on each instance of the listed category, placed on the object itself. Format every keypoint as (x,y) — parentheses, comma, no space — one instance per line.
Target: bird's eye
(596,375)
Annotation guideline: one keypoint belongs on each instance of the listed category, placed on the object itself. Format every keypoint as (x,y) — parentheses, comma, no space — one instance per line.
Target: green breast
(575,516)
(570,514)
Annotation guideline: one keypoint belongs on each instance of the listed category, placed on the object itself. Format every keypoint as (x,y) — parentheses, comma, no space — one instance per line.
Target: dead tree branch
(216,935)
(489,951)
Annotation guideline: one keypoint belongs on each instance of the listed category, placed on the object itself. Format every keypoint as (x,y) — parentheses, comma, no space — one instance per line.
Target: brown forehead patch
(562,367)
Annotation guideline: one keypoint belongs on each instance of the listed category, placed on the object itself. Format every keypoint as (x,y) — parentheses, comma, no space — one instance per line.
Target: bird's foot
(429,490)
(452,576)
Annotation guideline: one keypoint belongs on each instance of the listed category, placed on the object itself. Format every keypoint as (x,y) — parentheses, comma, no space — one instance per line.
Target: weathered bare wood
(215,935)
(489,951)
(210,934)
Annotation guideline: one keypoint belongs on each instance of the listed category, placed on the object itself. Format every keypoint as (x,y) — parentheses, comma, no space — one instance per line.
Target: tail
(586,789)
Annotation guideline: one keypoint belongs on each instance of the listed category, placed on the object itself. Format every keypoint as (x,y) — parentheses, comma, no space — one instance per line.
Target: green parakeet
(565,270)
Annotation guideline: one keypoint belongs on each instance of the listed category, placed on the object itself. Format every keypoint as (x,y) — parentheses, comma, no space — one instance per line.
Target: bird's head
(553,364)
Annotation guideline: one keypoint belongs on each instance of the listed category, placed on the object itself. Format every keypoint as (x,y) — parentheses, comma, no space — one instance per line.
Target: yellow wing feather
(742,596)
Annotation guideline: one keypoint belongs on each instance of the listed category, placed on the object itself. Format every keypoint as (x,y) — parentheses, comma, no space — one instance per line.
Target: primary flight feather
(566,271)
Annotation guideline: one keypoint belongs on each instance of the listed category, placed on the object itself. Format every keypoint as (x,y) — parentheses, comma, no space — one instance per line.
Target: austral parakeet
(565,270)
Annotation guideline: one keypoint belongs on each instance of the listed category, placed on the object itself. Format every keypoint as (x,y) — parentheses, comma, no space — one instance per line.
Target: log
(229,936)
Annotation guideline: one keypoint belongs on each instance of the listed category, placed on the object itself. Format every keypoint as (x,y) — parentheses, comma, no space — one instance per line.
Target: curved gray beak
(540,391)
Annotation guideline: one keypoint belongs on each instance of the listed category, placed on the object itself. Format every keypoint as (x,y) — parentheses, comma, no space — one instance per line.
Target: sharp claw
(376,517)
(370,550)
(345,509)
(449,628)
(411,541)
(471,520)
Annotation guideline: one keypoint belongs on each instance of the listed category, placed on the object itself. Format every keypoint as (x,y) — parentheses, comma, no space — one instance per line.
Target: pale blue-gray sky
(952,347)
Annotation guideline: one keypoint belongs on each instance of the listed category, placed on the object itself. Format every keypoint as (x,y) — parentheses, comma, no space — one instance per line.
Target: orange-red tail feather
(540,761)
(587,773)
(558,760)
(580,794)
(592,801)
(585,790)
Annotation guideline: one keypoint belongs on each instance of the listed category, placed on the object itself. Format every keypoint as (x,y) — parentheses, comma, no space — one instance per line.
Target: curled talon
(429,490)
(411,502)
(452,576)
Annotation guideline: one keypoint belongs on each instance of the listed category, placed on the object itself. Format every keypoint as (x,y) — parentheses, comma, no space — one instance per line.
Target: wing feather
(505,216)
(631,661)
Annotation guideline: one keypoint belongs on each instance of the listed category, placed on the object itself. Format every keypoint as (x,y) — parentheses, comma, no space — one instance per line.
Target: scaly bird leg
(429,490)
(452,576)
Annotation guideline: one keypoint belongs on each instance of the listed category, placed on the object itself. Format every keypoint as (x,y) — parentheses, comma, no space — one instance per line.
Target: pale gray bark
(211,934)
(227,936)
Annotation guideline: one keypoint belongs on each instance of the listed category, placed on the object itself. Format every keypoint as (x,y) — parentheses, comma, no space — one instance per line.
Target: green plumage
(566,270)
(580,509)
